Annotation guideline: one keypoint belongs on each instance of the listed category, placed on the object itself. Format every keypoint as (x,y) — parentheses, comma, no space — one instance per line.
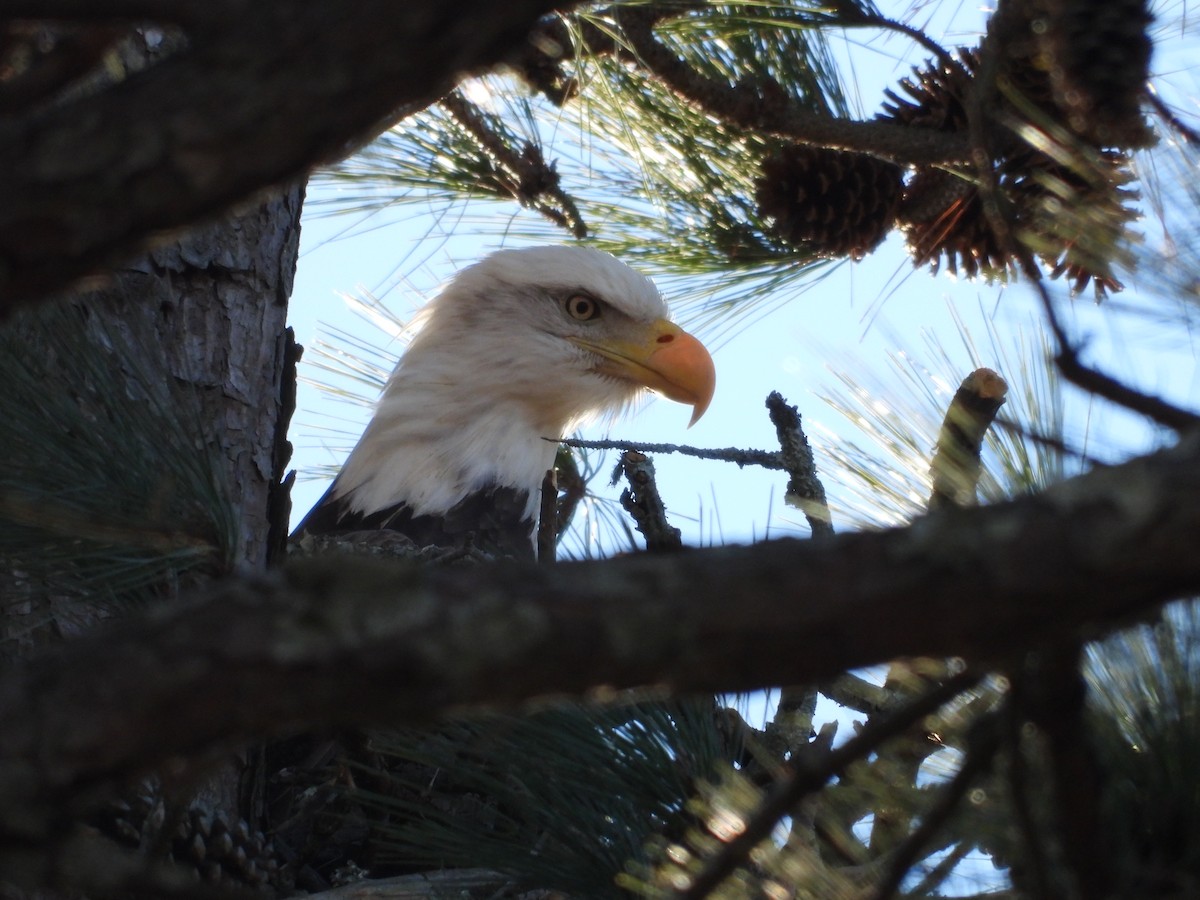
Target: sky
(853,321)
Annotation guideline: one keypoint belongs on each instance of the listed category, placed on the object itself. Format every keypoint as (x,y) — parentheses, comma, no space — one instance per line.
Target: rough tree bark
(215,299)
(240,109)
(213,303)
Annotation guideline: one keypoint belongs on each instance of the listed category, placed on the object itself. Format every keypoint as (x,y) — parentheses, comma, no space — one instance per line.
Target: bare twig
(766,459)
(642,501)
(1185,131)
(804,780)
(849,15)
(956,465)
(524,175)
(804,489)
(1096,382)
(1045,440)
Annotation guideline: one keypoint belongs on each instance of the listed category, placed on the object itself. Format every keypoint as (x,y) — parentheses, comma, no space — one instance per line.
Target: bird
(516,351)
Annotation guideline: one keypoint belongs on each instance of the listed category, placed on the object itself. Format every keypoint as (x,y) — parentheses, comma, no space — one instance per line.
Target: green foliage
(885,478)
(558,798)
(844,838)
(677,192)
(108,496)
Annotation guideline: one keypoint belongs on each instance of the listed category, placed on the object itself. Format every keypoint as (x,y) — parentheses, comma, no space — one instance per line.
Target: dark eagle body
(517,349)
(494,519)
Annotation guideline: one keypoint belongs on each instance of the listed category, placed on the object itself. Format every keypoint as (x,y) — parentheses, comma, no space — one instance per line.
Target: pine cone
(236,855)
(135,820)
(1100,60)
(1074,216)
(1078,217)
(943,219)
(832,202)
(936,94)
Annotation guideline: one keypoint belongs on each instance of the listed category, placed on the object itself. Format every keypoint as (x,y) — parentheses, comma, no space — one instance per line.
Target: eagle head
(517,350)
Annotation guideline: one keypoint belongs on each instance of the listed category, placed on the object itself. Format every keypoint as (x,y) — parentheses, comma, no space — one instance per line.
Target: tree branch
(328,643)
(808,776)
(804,489)
(524,176)
(750,106)
(1096,382)
(767,459)
(644,503)
(88,181)
(956,464)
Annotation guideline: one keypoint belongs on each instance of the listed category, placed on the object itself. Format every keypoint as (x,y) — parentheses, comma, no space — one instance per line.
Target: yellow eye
(582,308)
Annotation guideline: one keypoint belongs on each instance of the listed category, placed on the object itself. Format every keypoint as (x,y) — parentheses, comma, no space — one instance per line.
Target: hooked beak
(664,358)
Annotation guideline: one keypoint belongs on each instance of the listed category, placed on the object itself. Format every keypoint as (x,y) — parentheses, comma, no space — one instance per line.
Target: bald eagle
(517,348)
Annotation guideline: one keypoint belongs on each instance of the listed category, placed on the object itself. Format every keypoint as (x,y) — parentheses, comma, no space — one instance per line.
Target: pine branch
(331,644)
(956,465)
(804,487)
(807,778)
(767,459)
(524,175)
(643,502)
(765,108)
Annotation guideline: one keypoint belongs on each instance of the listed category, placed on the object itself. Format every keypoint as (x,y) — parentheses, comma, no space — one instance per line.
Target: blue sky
(849,322)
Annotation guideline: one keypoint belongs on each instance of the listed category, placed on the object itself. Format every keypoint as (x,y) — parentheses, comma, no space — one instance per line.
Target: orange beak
(664,358)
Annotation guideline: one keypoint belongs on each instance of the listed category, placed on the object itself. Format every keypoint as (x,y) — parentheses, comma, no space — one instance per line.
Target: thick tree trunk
(207,311)
(209,307)
(216,301)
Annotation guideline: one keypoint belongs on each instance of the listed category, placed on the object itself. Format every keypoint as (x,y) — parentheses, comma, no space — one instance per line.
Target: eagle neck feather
(429,446)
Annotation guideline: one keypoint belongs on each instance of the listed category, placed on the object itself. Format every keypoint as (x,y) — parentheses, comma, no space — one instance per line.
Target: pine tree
(147,424)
